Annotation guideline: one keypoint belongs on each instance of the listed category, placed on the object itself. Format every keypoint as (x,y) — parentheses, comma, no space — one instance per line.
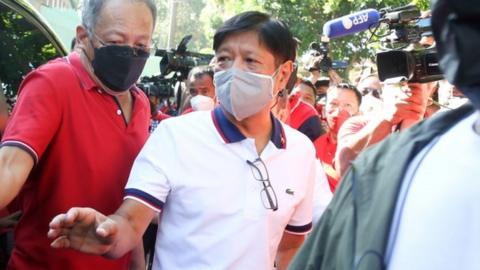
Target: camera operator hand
(405,106)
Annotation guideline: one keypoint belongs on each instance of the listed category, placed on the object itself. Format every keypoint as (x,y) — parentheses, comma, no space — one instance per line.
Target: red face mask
(337,121)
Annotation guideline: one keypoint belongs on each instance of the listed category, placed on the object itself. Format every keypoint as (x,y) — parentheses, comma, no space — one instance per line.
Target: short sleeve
(149,181)
(301,221)
(36,116)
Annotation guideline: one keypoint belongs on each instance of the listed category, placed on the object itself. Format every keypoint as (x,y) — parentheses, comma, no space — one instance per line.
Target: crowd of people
(263,150)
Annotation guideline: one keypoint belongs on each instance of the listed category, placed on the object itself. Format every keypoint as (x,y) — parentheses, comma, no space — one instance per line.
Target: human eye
(223,58)
(113,41)
(193,92)
(333,104)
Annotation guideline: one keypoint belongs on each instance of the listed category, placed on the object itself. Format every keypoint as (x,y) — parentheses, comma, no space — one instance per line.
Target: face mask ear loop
(91,44)
(281,94)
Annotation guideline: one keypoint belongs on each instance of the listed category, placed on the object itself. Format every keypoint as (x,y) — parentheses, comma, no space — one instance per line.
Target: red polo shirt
(304,118)
(83,152)
(326,149)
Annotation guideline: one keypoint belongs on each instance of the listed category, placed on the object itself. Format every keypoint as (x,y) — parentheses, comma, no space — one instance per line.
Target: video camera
(158,86)
(318,58)
(180,61)
(403,55)
(174,67)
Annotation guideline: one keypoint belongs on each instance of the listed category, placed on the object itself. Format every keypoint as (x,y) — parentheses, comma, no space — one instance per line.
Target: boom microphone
(350,24)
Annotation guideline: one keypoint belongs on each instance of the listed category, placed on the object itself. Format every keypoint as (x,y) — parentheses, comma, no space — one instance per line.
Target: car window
(23,47)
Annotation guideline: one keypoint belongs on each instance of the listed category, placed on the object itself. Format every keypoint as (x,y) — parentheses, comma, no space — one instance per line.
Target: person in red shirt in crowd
(343,101)
(306,91)
(302,115)
(75,131)
(321,87)
(201,89)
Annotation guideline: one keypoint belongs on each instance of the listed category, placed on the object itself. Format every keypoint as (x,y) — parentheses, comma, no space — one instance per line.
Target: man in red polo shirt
(343,101)
(76,129)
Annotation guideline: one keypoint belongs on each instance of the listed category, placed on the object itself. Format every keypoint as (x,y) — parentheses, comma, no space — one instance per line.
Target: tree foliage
(305,18)
(23,47)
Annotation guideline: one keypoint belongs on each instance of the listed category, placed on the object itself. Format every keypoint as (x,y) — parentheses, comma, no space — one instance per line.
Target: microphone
(350,24)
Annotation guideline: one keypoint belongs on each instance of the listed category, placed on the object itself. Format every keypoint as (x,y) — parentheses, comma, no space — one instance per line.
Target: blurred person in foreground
(76,128)
(233,186)
(411,202)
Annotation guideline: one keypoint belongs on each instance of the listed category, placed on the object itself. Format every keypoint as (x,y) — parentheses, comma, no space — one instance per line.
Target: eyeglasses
(375,92)
(130,50)
(260,173)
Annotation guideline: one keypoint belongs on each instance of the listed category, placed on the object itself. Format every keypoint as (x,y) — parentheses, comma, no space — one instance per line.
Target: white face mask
(202,103)
(242,93)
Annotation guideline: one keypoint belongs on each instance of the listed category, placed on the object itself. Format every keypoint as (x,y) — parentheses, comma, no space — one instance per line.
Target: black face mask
(118,66)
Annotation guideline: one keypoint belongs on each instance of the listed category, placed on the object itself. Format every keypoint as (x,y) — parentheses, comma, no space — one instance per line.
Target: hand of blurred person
(407,106)
(83,229)
(10,221)
(402,108)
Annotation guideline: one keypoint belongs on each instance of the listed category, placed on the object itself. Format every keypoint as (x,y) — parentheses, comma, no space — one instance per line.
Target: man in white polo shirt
(234,186)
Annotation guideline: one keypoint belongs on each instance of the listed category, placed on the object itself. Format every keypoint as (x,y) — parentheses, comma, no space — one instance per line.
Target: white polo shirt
(194,169)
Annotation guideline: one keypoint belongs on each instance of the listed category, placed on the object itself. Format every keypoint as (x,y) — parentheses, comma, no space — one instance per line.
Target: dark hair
(352,88)
(272,33)
(322,82)
(309,84)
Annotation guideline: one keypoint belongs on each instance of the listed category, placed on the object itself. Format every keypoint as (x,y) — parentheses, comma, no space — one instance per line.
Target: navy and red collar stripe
(231,134)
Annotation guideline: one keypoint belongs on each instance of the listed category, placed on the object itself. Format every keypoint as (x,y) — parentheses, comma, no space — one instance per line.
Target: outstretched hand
(83,229)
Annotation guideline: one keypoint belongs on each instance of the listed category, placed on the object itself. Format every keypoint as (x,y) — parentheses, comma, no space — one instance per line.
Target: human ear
(284,72)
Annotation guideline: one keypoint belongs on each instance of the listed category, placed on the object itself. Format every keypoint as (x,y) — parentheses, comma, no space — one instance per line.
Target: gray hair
(92,9)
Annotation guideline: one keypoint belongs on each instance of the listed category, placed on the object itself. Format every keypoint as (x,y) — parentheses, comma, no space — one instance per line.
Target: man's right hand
(83,229)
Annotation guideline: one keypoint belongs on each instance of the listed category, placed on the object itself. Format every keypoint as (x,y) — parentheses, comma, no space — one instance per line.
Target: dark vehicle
(26,41)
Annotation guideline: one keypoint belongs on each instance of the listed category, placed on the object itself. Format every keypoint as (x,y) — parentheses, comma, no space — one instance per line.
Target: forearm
(288,247)
(284,257)
(138,258)
(10,188)
(124,240)
(15,165)
(334,77)
(351,145)
(131,224)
